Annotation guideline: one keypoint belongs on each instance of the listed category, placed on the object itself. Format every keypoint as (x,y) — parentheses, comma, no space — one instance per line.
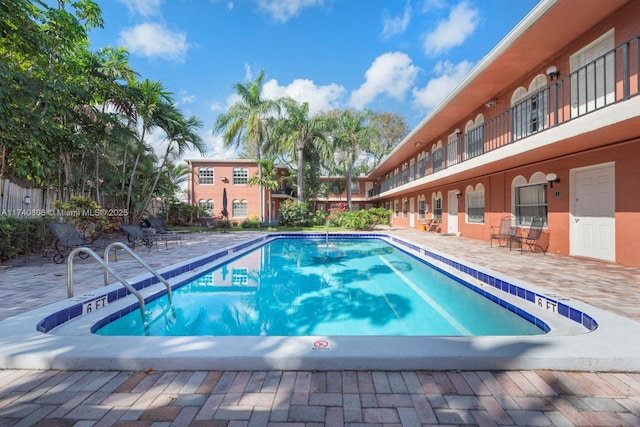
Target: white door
(593,212)
(412,214)
(593,86)
(452,220)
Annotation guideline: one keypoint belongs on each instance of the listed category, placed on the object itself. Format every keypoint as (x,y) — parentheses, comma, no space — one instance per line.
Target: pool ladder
(108,269)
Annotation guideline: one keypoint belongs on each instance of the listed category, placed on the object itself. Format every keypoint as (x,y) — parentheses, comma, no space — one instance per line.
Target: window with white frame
(206,176)
(240,176)
(475,204)
(355,187)
(405,207)
(530,201)
(206,206)
(474,137)
(529,109)
(396,208)
(437,206)
(422,207)
(240,209)
(240,277)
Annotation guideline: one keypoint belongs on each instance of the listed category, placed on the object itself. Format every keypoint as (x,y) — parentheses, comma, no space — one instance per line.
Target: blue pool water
(294,287)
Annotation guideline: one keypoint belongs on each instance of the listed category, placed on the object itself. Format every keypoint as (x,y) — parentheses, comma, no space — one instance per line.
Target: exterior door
(593,212)
(412,214)
(452,219)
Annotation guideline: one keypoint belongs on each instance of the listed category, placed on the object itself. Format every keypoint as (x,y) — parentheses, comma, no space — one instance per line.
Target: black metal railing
(612,78)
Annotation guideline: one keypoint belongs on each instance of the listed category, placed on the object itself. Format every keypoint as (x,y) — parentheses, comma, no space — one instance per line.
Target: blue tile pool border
(58,318)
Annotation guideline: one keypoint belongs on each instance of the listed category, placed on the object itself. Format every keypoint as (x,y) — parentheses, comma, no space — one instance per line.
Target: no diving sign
(321,345)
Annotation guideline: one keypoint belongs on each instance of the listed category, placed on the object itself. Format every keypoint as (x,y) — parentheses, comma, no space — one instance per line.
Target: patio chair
(67,239)
(160,226)
(533,238)
(208,223)
(139,235)
(504,232)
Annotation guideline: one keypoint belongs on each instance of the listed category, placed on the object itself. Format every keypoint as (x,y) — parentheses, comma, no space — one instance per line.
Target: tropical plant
(247,121)
(267,177)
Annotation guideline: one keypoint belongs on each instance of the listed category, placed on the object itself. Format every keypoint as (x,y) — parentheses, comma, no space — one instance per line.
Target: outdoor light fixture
(458,193)
(552,178)
(224,179)
(418,144)
(553,72)
(490,104)
(26,200)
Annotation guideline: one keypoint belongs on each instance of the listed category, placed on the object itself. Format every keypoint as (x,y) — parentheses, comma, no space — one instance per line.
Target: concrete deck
(306,398)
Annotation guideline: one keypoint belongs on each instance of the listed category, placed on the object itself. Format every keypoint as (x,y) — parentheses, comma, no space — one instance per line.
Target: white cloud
(461,23)
(283,10)
(320,98)
(153,39)
(185,98)
(391,74)
(248,74)
(143,7)
(449,76)
(398,25)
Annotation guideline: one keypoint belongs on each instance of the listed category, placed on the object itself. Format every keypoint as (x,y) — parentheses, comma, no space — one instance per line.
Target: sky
(401,56)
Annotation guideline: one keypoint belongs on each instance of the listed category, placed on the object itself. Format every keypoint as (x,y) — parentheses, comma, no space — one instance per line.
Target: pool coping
(611,345)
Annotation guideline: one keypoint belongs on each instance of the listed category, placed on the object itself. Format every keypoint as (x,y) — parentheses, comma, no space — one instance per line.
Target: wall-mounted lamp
(458,193)
(552,178)
(26,200)
(418,144)
(458,133)
(553,72)
(224,179)
(490,104)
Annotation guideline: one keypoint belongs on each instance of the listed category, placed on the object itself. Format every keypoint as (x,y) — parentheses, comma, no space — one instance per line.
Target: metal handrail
(140,261)
(106,268)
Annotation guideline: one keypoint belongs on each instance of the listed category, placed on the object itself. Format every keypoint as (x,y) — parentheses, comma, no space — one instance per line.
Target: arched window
(422,207)
(474,137)
(206,207)
(529,198)
(206,176)
(240,209)
(436,201)
(529,109)
(475,204)
(437,155)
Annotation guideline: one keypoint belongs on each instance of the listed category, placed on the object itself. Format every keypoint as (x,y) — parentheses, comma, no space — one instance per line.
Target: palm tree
(180,136)
(267,177)
(353,134)
(247,121)
(151,103)
(297,131)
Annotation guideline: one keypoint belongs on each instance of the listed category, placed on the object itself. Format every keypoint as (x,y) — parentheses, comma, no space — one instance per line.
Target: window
(436,157)
(530,202)
(475,204)
(437,206)
(422,207)
(206,206)
(239,277)
(474,137)
(422,164)
(240,209)
(240,176)
(355,187)
(396,208)
(405,207)
(206,176)
(529,108)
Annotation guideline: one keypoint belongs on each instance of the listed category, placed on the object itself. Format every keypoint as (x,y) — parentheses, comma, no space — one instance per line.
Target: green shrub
(23,235)
(252,222)
(294,213)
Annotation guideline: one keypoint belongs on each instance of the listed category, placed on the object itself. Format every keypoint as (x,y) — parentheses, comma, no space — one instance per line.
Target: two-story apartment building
(546,125)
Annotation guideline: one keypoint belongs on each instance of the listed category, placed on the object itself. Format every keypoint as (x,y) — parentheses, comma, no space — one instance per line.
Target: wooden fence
(16,201)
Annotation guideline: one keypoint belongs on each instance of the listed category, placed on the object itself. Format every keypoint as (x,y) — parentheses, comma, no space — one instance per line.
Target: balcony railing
(612,78)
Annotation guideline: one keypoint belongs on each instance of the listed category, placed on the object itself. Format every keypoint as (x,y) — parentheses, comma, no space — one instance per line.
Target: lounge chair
(208,223)
(533,239)
(138,235)
(504,232)
(160,226)
(67,239)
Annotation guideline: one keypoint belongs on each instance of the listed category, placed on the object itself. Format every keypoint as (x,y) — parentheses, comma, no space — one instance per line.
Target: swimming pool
(343,286)
(580,336)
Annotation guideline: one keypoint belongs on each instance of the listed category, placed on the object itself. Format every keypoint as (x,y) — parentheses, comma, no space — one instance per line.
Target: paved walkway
(303,398)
